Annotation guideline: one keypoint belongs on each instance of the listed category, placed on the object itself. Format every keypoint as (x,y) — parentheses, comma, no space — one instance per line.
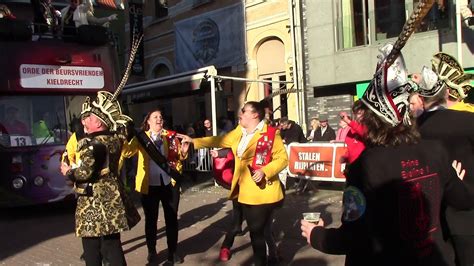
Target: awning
(174,86)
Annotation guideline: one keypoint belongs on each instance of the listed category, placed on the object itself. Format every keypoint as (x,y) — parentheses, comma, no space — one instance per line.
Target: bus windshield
(32,120)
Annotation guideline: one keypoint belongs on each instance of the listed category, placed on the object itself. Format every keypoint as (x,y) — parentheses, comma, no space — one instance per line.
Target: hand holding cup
(312,217)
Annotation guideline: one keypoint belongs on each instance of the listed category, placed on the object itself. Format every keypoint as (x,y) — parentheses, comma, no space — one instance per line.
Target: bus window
(32,120)
(73,107)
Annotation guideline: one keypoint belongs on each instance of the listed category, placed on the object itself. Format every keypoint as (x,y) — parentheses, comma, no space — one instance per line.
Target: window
(32,120)
(161,8)
(278,103)
(469,20)
(161,71)
(436,18)
(361,22)
(389,18)
(353,23)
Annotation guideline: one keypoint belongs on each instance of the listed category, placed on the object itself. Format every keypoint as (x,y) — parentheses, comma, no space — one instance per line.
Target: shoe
(152,257)
(172,260)
(225,254)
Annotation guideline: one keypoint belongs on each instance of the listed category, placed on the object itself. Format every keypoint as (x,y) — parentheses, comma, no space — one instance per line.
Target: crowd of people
(399,214)
(408,198)
(67,21)
(409,194)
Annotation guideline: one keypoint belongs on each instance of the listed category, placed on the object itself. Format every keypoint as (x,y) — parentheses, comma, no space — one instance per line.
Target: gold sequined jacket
(100,205)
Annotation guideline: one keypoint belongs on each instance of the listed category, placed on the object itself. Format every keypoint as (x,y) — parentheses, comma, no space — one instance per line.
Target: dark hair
(358,106)
(284,120)
(145,126)
(257,108)
(380,133)
(265,103)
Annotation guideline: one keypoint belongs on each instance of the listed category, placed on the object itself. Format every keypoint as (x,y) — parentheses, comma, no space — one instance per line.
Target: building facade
(341,39)
(248,40)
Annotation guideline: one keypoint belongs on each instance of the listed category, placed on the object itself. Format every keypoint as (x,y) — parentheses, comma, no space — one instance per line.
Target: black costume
(458,138)
(45,16)
(293,134)
(101,217)
(391,213)
(328,135)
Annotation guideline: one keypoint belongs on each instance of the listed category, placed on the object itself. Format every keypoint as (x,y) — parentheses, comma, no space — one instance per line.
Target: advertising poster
(338,166)
(317,161)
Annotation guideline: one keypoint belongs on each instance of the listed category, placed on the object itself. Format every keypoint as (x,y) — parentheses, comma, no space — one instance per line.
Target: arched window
(271,67)
(160,71)
(271,57)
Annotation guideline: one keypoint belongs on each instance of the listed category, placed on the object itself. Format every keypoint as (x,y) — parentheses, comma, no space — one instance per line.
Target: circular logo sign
(354,204)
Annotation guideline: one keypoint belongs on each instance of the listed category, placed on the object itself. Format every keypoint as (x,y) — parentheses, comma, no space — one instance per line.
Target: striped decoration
(114,4)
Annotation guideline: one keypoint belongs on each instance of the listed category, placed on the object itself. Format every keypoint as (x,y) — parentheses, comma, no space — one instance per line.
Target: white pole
(253,80)
(299,66)
(212,79)
(213,105)
(459,30)
(293,55)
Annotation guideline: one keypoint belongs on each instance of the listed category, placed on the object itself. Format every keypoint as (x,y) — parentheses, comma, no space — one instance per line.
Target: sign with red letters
(67,77)
(317,161)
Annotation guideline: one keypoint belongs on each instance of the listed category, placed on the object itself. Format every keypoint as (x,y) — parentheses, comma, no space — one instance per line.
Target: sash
(263,151)
(156,155)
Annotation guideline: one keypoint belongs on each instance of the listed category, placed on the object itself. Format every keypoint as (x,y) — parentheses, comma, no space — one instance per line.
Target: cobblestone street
(44,235)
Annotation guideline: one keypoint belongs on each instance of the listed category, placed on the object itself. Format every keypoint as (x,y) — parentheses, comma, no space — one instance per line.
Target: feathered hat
(447,73)
(389,90)
(106,106)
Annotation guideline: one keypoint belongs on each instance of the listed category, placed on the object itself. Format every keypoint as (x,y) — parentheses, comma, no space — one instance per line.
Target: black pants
(236,225)
(110,246)
(464,249)
(169,197)
(258,217)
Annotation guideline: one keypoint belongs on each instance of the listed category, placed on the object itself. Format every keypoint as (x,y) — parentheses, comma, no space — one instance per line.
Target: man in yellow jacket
(257,148)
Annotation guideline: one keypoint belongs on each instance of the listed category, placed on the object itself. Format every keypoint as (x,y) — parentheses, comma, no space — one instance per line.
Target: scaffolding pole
(253,80)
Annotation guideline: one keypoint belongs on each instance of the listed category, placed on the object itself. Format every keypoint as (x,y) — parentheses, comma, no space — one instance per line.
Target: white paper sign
(69,77)
(18,141)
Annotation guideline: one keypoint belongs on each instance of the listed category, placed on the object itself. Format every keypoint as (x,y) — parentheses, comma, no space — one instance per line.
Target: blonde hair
(316,122)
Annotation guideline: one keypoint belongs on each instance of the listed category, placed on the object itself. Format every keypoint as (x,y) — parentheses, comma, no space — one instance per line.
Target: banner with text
(68,77)
(317,161)
(214,38)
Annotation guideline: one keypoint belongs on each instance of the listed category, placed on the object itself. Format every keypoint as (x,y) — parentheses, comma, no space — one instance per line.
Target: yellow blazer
(243,187)
(143,165)
(462,106)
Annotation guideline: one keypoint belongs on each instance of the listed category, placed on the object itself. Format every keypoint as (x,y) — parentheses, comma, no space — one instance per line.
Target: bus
(43,83)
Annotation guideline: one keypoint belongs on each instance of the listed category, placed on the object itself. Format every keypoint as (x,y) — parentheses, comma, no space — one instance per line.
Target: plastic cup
(312,217)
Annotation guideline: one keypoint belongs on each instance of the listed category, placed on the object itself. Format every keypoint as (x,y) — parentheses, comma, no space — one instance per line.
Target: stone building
(249,40)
